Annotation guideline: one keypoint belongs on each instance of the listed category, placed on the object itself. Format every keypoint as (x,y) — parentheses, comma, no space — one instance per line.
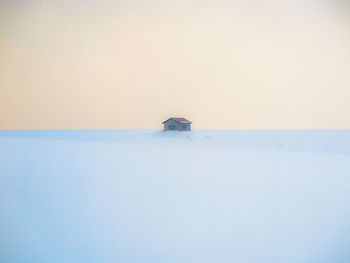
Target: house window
(184,126)
(171,127)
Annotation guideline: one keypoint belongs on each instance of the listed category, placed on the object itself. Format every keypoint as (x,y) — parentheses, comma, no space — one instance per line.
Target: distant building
(177,124)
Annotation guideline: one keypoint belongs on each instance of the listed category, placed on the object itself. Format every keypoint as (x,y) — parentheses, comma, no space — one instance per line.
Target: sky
(132,64)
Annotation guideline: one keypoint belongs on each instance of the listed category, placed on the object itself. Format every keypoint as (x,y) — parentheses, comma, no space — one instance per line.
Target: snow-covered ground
(148,196)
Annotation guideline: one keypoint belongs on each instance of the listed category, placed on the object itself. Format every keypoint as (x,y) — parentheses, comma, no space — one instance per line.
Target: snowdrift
(152,196)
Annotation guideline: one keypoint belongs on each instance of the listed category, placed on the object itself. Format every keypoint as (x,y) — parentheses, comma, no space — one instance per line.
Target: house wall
(178,126)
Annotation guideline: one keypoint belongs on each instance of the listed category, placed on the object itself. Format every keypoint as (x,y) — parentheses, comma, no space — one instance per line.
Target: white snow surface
(152,196)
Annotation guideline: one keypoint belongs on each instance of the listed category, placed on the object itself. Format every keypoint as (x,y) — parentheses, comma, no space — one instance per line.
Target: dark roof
(180,120)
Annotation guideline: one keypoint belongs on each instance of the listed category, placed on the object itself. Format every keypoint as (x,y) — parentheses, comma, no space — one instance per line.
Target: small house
(177,124)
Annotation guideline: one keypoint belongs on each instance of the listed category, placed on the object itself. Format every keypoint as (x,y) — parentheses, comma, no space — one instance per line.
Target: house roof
(180,120)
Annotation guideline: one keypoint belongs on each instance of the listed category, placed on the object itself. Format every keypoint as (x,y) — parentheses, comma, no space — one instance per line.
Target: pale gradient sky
(269,64)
